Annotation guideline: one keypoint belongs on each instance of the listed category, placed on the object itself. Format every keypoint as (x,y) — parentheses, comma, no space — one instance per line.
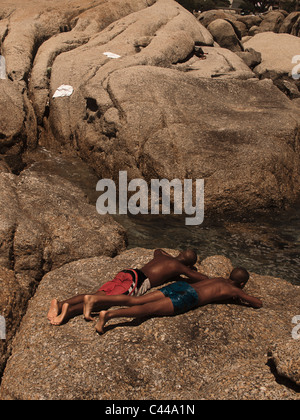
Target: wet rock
(214,352)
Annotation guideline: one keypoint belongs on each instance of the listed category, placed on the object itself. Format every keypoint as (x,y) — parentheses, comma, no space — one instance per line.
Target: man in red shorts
(131,282)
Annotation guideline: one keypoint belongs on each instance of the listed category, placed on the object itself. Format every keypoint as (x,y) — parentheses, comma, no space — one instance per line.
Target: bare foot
(102,321)
(88,304)
(58,320)
(54,310)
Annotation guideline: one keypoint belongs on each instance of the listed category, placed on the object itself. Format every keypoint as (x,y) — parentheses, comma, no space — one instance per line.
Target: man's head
(188,257)
(239,276)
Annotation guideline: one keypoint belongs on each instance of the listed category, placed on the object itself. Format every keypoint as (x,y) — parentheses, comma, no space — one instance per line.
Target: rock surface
(37,236)
(274,21)
(213,352)
(225,35)
(46,220)
(101,122)
(219,62)
(277,51)
(157,111)
(291,24)
(13,302)
(174,130)
(17,124)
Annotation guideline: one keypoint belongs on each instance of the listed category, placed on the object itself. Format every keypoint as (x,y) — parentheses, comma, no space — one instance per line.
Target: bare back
(214,290)
(220,289)
(161,268)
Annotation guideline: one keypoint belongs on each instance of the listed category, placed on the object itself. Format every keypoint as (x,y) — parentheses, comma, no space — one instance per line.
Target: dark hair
(239,275)
(190,256)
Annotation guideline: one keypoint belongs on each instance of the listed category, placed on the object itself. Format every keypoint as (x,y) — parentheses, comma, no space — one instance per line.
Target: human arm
(192,275)
(244,298)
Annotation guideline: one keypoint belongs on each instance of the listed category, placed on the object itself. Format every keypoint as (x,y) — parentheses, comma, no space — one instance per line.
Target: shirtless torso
(220,289)
(163,267)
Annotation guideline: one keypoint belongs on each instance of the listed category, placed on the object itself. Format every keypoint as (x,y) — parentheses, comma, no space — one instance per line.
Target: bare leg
(98,302)
(75,306)
(161,307)
(58,320)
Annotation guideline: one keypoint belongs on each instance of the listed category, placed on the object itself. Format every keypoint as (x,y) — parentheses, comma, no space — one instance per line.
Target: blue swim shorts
(183,296)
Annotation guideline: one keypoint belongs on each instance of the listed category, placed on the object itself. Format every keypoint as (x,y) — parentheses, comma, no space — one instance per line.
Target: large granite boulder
(160,35)
(46,220)
(124,113)
(24,28)
(161,123)
(60,226)
(131,114)
(207,17)
(215,352)
(41,21)
(225,35)
(277,51)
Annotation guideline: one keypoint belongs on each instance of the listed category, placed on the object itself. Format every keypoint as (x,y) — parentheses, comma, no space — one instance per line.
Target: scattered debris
(63,90)
(111,55)
(2,68)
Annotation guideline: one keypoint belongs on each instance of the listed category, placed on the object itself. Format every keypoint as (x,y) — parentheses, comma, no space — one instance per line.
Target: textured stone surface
(277,52)
(213,352)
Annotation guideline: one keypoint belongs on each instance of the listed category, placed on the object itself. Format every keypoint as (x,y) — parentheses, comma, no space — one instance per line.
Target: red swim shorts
(125,283)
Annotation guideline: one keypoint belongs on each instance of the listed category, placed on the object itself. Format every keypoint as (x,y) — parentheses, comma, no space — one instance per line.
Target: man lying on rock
(131,282)
(181,296)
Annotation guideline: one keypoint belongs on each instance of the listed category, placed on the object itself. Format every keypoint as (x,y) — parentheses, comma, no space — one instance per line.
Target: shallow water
(267,245)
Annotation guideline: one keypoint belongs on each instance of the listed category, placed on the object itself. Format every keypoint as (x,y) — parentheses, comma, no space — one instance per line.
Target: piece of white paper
(111,55)
(2,68)
(62,91)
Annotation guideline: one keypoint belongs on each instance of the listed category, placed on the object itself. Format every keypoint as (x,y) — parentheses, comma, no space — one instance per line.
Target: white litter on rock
(2,68)
(62,91)
(111,55)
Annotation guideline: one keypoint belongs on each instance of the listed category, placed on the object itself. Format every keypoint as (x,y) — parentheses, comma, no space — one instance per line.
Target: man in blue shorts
(180,297)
